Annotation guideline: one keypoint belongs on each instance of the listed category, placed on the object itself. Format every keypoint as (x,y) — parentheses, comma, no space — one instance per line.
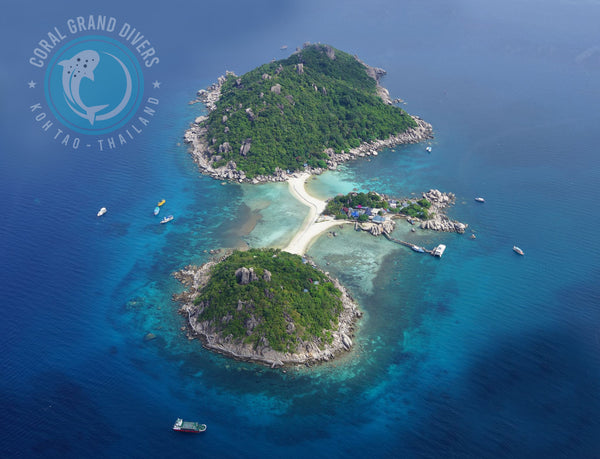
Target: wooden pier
(437,251)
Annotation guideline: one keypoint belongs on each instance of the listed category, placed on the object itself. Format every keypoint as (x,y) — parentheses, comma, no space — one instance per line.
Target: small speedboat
(518,250)
(161,202)
(166,219)
(102,212)
(479,199)
(428,149)
(156,210)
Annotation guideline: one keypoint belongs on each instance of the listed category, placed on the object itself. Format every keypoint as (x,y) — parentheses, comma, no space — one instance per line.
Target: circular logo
(94,85)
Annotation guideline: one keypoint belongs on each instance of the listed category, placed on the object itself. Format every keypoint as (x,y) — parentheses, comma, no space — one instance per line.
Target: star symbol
(156,84)
(32,84)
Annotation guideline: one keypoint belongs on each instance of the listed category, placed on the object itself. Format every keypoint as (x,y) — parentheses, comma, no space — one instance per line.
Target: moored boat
(479,199)
(161,202)
(416,248)
(428,149)
(439,250)
(188,426)
(518,250)
(156,210)
(102,212)
(166,219)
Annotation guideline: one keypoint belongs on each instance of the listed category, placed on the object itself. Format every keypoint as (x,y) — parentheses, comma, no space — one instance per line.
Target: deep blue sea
(481,353)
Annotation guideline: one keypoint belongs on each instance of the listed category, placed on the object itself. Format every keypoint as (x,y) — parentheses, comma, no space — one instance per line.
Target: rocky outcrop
(307,352)
(245,148)
(440,221)
(422,132)
(377,229)
(204,152)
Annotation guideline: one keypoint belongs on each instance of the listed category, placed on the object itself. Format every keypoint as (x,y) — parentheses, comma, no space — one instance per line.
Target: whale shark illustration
(80,66)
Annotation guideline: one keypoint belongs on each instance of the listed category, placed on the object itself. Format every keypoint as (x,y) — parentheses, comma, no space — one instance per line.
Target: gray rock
(242,276)
(245,148)
(267,275)
(225,147)
(276,88)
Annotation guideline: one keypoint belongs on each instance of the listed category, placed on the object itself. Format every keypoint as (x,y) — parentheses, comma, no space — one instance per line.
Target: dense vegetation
(297,302)
(413,208)
(418,209)
(292,113)
(353,200)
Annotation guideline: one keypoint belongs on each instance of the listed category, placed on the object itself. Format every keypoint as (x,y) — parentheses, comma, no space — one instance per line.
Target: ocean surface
(481,353)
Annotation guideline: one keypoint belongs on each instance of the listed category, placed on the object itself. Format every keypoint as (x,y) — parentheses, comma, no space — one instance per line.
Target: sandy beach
(310,228)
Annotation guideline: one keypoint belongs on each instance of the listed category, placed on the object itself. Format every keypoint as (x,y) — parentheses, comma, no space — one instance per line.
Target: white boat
(428,149)
(439,250)
(166,219)
(479,199)
(518,250)
(102,212)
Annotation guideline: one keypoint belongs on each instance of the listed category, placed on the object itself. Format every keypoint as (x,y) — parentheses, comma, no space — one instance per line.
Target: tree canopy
(283,301)
(288,112)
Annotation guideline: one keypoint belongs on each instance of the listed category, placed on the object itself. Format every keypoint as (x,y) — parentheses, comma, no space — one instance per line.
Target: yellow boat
(160,203)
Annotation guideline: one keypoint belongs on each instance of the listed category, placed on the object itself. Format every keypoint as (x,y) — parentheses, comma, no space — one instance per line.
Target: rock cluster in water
(440,221)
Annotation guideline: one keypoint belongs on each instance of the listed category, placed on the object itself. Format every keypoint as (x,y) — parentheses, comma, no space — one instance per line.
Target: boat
(188,426)
(166,219)
(416,248)
(161,202)
(428,149)
(518,250)
(439,250)
(156,210)
(102,212)
(479,199)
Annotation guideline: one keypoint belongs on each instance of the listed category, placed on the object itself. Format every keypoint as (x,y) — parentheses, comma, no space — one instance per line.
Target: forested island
(309,112)
(268,306)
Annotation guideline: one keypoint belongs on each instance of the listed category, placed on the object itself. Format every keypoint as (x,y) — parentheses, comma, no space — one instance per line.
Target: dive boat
(166,219)
(188,426)
(439,250)
(161,202)
(156,210)
(518,250)
(101,212)
(479,199)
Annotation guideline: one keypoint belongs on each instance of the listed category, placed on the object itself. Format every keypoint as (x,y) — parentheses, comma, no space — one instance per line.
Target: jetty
(437,251)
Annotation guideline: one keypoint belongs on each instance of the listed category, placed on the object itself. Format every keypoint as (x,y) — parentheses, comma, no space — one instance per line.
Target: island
(310,112)
(285,121)
(379,211)
(268,306)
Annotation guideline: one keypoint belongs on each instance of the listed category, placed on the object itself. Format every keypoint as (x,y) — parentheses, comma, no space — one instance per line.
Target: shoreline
(195,137)
(196,277)
(311,227)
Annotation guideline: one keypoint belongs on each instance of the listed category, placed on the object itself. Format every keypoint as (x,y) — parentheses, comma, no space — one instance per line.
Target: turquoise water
(481,353)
